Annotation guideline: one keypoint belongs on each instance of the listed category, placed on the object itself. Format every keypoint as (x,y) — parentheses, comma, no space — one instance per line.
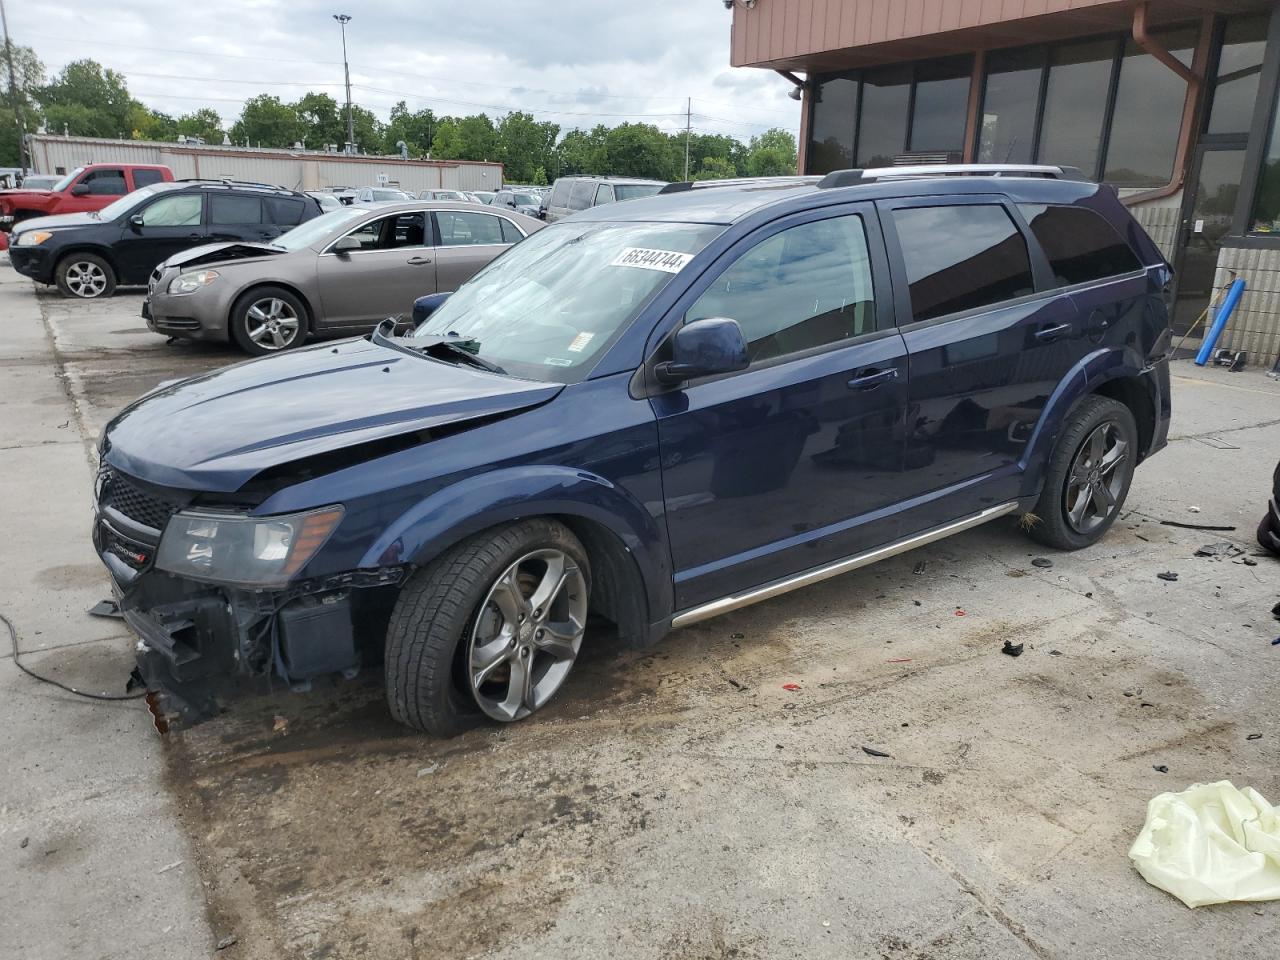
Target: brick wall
(1255,325)
(1161,224)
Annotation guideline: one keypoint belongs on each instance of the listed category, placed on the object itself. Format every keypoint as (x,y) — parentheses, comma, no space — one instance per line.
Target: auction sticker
(580,342)
(668,261)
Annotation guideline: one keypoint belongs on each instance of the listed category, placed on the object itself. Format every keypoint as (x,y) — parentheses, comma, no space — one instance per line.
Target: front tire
(85,276)
(268,320)
(491,628)
(1088,475)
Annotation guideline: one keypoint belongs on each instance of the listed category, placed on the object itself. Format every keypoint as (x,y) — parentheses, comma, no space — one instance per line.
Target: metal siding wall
(298,172)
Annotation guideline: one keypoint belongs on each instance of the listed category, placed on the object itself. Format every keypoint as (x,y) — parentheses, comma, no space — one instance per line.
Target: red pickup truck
(81,190)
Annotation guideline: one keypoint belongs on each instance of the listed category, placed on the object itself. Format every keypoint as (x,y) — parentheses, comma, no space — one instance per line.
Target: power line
(170,50)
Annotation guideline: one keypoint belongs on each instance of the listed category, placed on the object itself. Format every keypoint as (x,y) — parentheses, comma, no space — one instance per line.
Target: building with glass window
(1171,101)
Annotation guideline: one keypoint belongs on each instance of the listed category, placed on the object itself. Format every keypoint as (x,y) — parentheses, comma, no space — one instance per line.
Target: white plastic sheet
(1211,843)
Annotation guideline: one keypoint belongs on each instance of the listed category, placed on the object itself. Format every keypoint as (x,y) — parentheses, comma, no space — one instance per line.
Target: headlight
(249,551)
(191,282)
(33,238)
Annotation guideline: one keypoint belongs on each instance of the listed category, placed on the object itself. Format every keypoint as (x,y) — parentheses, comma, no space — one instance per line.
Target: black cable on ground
(17,662)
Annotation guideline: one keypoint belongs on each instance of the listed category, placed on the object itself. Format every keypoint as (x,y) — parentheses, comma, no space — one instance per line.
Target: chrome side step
(816,575)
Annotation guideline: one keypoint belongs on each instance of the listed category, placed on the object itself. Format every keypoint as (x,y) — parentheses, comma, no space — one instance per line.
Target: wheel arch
(97,250)
(256,285)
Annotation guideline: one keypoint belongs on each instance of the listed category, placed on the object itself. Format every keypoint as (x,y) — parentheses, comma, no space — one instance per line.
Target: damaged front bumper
(199,642)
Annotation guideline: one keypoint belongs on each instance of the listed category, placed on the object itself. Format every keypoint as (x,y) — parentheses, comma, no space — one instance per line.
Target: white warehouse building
(297,169)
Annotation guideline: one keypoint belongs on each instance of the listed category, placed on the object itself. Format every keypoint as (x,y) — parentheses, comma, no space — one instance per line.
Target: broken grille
(116,491)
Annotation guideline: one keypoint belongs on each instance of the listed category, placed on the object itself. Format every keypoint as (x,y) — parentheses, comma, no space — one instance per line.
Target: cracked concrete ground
(679,803)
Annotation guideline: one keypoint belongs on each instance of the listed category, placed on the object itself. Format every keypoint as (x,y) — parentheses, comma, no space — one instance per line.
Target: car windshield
(550,306)
(66,181)
(528,199)
(632,191)
(317,228)
(126,203)
(390,195)
(39,183)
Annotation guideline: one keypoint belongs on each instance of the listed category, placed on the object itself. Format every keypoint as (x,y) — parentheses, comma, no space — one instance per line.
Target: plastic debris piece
(919,568)
(900,660)
(1222,548)
(1193,509)
(170,866)
(226,942)
(1213,528)
(1211,843)
(1254,736)
(1011,649)
(959,612)
(1168,575)
(428,770)
(873,752)
(1055,653)
(106,608)
(791,686)
(1043,562)
(280,725)
(1160,768)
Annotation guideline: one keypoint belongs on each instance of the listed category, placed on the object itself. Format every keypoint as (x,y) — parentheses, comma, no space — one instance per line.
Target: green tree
(772,154)
(321,120)
(713,146)
(539,178)
(526,145)
(29,72)
(466,138)
(203,123)
(266,121)
(148,124)
(369,130)
(715,168)
(583,151)
(415,129)
(88,101)
(641,150)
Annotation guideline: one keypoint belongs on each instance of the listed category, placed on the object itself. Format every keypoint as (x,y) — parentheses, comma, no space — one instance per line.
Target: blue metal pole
(1220,322)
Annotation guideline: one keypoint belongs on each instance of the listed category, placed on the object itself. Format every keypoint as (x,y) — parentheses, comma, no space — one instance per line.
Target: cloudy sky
(575,62)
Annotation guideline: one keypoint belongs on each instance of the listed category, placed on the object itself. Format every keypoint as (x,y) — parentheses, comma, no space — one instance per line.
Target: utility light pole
(14,93)
(343,19)
(688,121)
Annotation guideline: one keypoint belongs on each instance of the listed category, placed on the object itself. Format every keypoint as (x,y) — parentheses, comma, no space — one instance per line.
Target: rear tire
(435,632)
(268,320)
(1268,535)
(1088,475)
(85,276)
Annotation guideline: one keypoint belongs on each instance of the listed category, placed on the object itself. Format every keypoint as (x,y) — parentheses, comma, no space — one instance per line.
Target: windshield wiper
(453,346)
(462,349)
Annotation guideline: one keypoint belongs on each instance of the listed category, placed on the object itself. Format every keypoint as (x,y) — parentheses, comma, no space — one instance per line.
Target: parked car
(328,201)
(381,195)
(39,181)
(484,196)
(571,194)
(88,254)
(651,414)
(530,204)
(1269,528)
(82,190)
(456,195)
(339,274)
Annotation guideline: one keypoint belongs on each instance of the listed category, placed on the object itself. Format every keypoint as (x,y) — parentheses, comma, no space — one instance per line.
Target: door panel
(171,223)
(795,461)
(396,266)
(465,242)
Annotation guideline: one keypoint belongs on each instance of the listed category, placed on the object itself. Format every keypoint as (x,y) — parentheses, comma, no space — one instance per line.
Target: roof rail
(849,178)
(231,182)
(683,185)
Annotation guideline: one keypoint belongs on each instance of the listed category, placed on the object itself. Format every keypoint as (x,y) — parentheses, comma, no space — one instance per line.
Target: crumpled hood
(222,253)
(216,432)
(16,195)
(57,221)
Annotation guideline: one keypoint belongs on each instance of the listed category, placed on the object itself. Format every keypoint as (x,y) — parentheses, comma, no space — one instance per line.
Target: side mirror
(424,307)
(345,245)
(137,222)
(80,190)
(704,348)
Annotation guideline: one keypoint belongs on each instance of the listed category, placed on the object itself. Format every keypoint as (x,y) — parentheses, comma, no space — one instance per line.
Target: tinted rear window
(286,211)
(961,258)
(560,193)
(144,178)
(230,209)
(581,195)
(1080,245)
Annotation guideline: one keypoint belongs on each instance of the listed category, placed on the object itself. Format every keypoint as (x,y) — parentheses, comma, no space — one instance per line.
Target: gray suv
(571,194)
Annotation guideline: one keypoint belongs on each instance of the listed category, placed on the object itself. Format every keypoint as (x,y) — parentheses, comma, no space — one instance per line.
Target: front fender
(1093,370)
(503,496)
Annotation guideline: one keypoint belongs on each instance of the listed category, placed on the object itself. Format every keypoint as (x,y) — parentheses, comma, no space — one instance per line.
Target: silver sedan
(336,275)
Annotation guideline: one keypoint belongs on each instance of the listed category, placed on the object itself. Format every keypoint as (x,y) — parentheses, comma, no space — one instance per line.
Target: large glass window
(459,229)
(1008,131)
(1236,84)
(1148,113)
(230,208)
(882,127)
(178,210)
(1075,103)
(1266,202)
(107,182)
(801,288)
(961,257)
(1079,244)
(941,105)
(835,111)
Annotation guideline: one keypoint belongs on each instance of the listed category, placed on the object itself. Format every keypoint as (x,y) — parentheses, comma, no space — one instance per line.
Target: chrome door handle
(1053,333)
(867,380)
(419,261)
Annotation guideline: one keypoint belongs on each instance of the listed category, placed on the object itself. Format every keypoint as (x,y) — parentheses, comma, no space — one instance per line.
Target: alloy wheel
(86,279)
(272,324)
(527,634)
(1096,480)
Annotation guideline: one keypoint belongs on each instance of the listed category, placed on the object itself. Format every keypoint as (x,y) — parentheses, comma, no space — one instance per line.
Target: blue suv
(650,413)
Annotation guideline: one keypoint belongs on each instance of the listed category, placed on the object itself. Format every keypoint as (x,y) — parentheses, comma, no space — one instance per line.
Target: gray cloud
(574,62)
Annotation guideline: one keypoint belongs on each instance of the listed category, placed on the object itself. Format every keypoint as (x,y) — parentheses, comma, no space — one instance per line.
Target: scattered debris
(959,612)
(1168,575)
(1015,573)
(281,725)
(1197,526)
(1193,509)
(226,942)
(920,568)
(917,603)
(1088,595)
(106,608)
(735,684)
(170,866)
(737,636)
(1223,548)
(1043,562)
(23,844)
(1254,736)
(1160,768)
(1216,442)
(791,686)
(1055,653)
(1275,611)
(1276,642)
(900,660)
(1011,649)
(873,752)
(427,771)
(1247,561)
